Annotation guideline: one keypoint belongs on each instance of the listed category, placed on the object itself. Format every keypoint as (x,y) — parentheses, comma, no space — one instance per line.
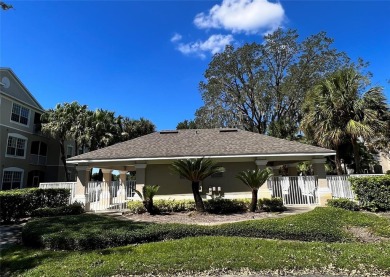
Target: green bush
(136,207)
(272,204)
(218,206)
(19,203)
(226,206)
(89,231)
(72,209)
(343,203)
(169,206)
(388,172)
(373,192)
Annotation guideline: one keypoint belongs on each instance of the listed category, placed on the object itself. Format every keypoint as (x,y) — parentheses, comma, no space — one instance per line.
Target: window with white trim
(12,178)
(16,146)
(20,114)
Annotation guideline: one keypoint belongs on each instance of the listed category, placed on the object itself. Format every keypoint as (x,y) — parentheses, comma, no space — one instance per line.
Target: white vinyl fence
(294,190)
(341,187)
(61,185)
(108,195)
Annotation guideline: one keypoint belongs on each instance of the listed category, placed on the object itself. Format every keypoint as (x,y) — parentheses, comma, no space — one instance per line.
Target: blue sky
(146,58)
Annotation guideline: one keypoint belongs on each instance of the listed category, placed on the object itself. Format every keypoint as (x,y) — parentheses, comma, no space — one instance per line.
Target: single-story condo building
(150,156)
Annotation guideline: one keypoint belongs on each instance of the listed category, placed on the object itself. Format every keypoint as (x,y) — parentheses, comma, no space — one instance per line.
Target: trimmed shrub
(372,192)
(274,204)
(343,203)
(169,206)
(388,172)
(136,207)
(217,206)
(226,206)
(73,209)
(19,203)
(89,231)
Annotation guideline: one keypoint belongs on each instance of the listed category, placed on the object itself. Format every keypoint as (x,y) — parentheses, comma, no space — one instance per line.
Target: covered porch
(108,194)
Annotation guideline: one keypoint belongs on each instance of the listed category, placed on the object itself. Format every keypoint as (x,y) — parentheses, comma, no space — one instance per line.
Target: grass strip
(200,254)
(89,232)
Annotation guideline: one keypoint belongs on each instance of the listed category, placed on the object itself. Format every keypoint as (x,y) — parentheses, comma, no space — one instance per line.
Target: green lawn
(238,248)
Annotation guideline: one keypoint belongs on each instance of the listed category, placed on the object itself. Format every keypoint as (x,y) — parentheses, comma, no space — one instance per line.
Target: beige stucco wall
(384,162)
(171,184)
(15,93)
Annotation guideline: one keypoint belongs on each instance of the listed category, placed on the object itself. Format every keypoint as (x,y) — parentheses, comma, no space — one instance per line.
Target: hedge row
(373,193)
(216,206)
(88,232)
(343,203)
(72,209)
(19,203)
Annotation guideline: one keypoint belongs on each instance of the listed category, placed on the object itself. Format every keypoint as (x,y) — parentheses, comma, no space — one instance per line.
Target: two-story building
(27,157)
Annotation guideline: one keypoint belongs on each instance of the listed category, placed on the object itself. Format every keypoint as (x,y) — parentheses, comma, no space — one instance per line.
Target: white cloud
(249,16)
(176,37)
(214,44)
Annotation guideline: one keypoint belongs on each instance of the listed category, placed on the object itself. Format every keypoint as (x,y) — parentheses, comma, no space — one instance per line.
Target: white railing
(294,190)
(61,185)
(108,195)
(341,187)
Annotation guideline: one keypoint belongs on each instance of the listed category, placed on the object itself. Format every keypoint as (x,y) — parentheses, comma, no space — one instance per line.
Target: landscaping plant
(274,204)
(196,170)
(148,192)
(254,179)
(372,192)
(343,203)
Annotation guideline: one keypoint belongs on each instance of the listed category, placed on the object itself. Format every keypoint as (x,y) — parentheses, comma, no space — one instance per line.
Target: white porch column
(122,175)
(264,192)
(106,194)
(106,174)
(83,172)
(140,177)
(122,186)
(324,193)
(292,169)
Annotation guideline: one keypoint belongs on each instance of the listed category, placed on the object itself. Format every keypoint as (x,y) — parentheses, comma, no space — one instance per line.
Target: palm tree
(196,170)
(79,125)
(148,192)
(134,128)
(336,111)
(254,179)
(104,128)
(57,123)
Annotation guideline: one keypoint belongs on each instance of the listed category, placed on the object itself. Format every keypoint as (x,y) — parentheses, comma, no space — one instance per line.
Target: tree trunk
(356,155)
(253,205)
(63,159)
(198,199)
(339,169)
(76,146)
(148,204)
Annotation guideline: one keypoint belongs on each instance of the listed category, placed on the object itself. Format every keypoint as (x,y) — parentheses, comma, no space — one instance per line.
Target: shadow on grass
(17,259)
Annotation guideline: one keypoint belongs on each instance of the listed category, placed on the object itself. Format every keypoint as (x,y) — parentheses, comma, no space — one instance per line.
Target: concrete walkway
(10,235)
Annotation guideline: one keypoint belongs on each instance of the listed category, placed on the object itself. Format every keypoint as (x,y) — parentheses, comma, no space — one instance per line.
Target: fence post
(141,177)
(81,184)
(324,193)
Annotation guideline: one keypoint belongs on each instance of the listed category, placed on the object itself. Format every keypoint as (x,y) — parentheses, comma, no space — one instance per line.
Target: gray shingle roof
(201,142)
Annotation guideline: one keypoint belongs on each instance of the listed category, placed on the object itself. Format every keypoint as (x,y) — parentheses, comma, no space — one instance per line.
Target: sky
(146,58)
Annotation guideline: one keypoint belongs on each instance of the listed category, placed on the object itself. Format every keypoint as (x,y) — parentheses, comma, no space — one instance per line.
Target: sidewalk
(10,234)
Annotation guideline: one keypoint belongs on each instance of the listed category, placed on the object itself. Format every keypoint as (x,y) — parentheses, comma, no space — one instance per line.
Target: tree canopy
(260,87)
(91,129)
(340,109)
